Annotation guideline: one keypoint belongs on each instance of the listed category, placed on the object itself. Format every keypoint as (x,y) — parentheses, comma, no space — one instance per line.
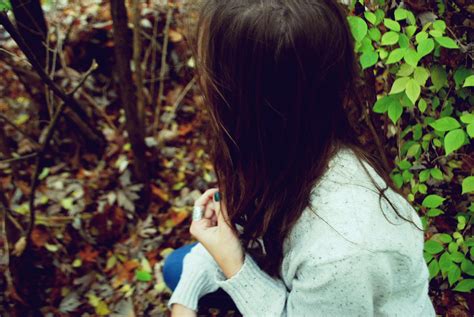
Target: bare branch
(4,118)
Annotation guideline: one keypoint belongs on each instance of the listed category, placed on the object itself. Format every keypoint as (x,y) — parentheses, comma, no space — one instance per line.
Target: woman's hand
(179,310)
(215,233)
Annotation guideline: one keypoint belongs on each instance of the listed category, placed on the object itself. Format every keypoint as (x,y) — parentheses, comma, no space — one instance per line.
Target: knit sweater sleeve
(343,287)
(196,278)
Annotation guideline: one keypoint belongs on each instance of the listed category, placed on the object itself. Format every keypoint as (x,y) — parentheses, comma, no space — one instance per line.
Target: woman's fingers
(204,199)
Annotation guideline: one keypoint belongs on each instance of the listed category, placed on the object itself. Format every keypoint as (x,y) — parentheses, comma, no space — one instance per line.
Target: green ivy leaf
(358,27)
(445,124)
(400,14)
(370,16)
(405,70)
(391,24)
(439,25)
(433,247)
(461,74)
(467,118)
(438,77)
(425,47)
(447,42)
(436,33)
(421,75)
(437,174)
(454,274)
(395,111)
(390,38)
(399,85)
(368,59)
(466,285)
(413,90)
(381,105)
(395,55)
(421,36)
(469,82)
(468,185)
(375,34)
(434,212)
(433,201)
(433,268)
(403,41)
(422,105)
(445,262)
(470,130)
(410,30)
(453,140)
(5,5)
(412,57)
(467,266)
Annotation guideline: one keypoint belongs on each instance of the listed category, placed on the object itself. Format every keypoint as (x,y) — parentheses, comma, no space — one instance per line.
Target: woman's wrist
(178,310)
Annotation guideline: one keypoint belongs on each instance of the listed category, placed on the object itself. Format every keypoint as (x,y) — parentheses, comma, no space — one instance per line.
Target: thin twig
(182,94)
(19,158)
(153,60)
(4,118)
(164,52)
(91,132)
(39,158)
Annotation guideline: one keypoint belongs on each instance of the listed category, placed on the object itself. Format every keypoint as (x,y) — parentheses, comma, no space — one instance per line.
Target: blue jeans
(172,269)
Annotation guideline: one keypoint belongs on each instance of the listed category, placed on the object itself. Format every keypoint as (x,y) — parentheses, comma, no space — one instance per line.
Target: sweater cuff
(190,289)
(249,284)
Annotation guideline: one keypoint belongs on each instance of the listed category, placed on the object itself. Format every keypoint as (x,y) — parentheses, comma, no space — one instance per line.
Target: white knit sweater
(345,261)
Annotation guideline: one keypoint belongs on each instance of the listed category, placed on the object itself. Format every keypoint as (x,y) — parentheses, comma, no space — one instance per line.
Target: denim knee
(173,266)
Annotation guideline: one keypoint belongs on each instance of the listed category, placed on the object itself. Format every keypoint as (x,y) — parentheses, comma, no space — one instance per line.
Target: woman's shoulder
(346,214)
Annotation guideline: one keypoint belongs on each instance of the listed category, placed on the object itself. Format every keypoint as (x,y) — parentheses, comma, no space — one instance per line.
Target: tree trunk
(135,127)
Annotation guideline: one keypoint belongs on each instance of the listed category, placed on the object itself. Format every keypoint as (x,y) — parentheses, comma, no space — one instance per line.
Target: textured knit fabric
(342,258)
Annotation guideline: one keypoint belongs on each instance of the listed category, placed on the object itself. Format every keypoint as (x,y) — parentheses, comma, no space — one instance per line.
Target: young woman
(304,221)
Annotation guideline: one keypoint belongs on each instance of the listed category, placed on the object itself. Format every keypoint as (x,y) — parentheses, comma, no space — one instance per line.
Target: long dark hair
(276,75)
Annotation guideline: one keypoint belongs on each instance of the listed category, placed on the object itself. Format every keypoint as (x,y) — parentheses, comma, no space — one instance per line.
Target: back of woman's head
(275,75)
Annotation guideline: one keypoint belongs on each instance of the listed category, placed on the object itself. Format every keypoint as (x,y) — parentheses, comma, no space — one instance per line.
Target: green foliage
(5,5)
(429,105)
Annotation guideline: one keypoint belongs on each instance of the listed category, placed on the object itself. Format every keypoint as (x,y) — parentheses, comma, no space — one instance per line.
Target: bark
(134,126)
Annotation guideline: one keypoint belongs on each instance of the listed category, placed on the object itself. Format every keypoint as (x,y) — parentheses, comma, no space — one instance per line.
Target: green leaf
(421,75)
(425,46)
(370,16)
(390,38)
(395,55)
(436,33)
(467,267)
(470,130)
(403,41)
(405,70)
(422,105)
(358,27)
(434,212)
(394,111)
(468,185)
(467,118)
(400,14)
(445,262)
(413,90)
(454,140)
(413,150)
(410,30)
(447,42)
(466,285)
(399,85)
(391,24)
(143,276)
(438,77)
(5,5)
(437,174)
(424,175)
(433,268)
(469,82)
(412,57)
(433,201)
(445,124)
(439,25)
(461,74)
(454,274)
(375,34)
(421,36)
(433,247)
(368,59)
(381,105)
